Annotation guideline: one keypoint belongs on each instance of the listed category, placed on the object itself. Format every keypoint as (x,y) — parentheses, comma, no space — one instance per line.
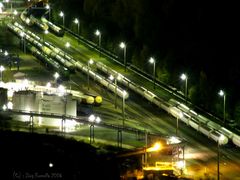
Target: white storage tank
(58,105)
(51,103)
(25,101)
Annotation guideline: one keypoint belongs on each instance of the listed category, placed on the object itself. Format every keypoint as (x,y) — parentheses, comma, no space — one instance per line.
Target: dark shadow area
(35,156)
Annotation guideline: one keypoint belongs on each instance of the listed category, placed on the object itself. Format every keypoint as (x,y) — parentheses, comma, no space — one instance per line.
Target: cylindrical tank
(25,101)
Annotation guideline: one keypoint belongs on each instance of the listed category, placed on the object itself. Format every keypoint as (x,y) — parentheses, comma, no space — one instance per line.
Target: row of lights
(98,33)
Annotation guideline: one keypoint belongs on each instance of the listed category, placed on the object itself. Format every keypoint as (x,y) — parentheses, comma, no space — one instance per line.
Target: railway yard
(118,103)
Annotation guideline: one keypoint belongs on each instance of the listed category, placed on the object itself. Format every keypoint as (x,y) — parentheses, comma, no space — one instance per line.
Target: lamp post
(15,13)
(123,104)
(93,119)
(7,1)
(45,33)
(89,62)
(77,22)
(1,70)
(222,93)
(115,78)
(180,115)
(56,76)
(67,45)
(49,11)
(185,78)
(155,148)
(124,47)
(22,34)
(219,142)
(152,61)
(99,34)
(62,15)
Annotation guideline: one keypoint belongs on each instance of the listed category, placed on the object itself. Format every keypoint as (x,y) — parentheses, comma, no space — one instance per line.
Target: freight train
(64,73)
(179,110)
(175,108)
(43,24)
(53,28)
(69,62)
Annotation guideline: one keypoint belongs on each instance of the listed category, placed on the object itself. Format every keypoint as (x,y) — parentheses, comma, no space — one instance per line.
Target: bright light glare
(61,89)
(151,60)
(67,44)
(9,105)
(4,107)
(122,45)
(98,120)
(27,20)
(222,140)
(61,14)
(180,115)
(180,164)
(48,85)
(183,77)
(50,164)
(97,32)
(111,77)
(70,125)
(173,140)
(91,118)
(25,82)
(2,68)
(76,21)
(156,147)
(15,12)
(221,93)
(56,75)
(90,61)
(124,93)
(10,93)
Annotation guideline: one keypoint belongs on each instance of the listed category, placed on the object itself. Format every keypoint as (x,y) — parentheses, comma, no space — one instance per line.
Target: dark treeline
(196,37)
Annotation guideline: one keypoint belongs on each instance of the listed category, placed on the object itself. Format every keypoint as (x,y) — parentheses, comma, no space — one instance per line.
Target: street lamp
(49,11)
(45,33)
(67,45)
(89,63)
(222,93)
(15,12)
(152,61)
(98,33)
(1,70)
(22,34)
(93,119)
(185,78)
(115,78)
(77,22)
(56,76)
(124,47)
(124,93)
(62,15)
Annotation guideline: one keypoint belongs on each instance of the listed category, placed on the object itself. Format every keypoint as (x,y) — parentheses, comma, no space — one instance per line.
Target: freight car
(176,109)
(53,28)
